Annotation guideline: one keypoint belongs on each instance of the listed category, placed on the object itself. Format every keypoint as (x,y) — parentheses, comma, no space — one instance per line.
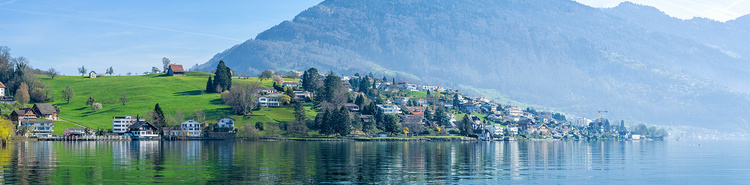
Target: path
(71,122)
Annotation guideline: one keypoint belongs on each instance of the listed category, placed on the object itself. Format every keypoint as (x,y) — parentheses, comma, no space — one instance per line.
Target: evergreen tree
(223,77)
(343,122)
(326,125)
(391,123)
(158,116)
(209,85)
(428,115)
(360,101)
(364,85)
(465,126)
(299,112)
(310,80)
(384,79)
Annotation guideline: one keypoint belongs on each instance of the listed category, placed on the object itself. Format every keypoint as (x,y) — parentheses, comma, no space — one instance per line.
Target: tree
(22,94)
(465,126)
(343,122)
(391,123)
(110,71)
(90,101)
(311,80)
(96,107)
(299,112)
(360,101)
(154,69)
(166,63)
(267,74)
(289,91)
(68,94)
(297,128)
(285,99)
(222,78)
(158,116)
(200,116)
(327,126)
(291,74)
(277,78)
(39,95)
(82,70)
(124,98)
(210,85)
(241,97)
(179,116)
(53,73)
(259,125)
(440,117)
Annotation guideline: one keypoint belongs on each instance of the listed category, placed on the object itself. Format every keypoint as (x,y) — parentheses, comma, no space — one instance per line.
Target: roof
(139,124)
(526,122)
(36,121)
(2,85)
(226,117)
(45,109)
(176,68)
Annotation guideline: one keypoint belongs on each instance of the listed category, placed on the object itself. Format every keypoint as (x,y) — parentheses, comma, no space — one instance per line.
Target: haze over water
(292,162)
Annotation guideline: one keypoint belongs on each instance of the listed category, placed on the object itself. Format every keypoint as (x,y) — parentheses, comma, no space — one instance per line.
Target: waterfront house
(225,124)
(526,123)
(120,124)
(45,111)
(39,128)
(512,130)
(389,109)
(76,132)
(366,118)
(269,100)
(171,131)
(495,129)
(175,70)
(191,128)
(2,89)
(22,114)
(92,74)
(143,130)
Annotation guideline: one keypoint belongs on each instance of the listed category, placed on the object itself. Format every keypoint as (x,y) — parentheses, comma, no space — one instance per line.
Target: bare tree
(166,63)
(124,98)
(267,74)
(82,70)
(53,73)
(241,97)
(22,94)
(200,116)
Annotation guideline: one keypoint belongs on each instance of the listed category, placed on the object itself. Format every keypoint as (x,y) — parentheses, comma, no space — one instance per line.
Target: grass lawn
(173,93)
(60,127)
(420,94)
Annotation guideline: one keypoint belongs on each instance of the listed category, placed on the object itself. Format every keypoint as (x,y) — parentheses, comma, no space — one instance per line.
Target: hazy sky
(133,35)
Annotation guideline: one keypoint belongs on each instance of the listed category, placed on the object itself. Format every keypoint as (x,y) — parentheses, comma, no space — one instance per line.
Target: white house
(226,123)
(270,100)
(289,84)
(389,109)
(41,128)
(495,129)
(267,90)
(92,74)
(2,89)
(120,124)
(191,128)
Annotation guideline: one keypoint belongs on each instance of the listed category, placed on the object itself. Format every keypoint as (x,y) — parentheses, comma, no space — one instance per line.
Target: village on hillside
(356,106)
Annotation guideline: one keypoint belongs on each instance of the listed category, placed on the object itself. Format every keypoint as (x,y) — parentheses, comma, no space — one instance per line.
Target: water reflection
(221,162)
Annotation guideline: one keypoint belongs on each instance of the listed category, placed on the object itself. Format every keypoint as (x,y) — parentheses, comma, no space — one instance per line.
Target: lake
(297,162)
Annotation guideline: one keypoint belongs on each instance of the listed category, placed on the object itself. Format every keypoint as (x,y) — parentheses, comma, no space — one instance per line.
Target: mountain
(557,54)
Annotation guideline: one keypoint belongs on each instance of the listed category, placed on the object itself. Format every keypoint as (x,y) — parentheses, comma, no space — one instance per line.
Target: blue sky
(134,35)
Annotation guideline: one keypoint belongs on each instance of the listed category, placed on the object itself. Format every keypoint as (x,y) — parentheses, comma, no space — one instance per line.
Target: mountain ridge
(559,54)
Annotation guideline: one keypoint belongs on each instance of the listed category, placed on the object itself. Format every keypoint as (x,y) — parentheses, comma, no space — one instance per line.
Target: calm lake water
(293,162)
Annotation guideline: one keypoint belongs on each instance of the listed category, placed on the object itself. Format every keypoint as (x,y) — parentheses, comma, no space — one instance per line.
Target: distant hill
(558,54)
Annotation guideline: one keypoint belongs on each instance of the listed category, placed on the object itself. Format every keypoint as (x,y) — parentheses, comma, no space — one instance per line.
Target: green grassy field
(420,94)
(144,91)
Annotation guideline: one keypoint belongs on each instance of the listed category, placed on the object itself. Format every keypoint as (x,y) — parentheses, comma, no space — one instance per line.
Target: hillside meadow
(172,93)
